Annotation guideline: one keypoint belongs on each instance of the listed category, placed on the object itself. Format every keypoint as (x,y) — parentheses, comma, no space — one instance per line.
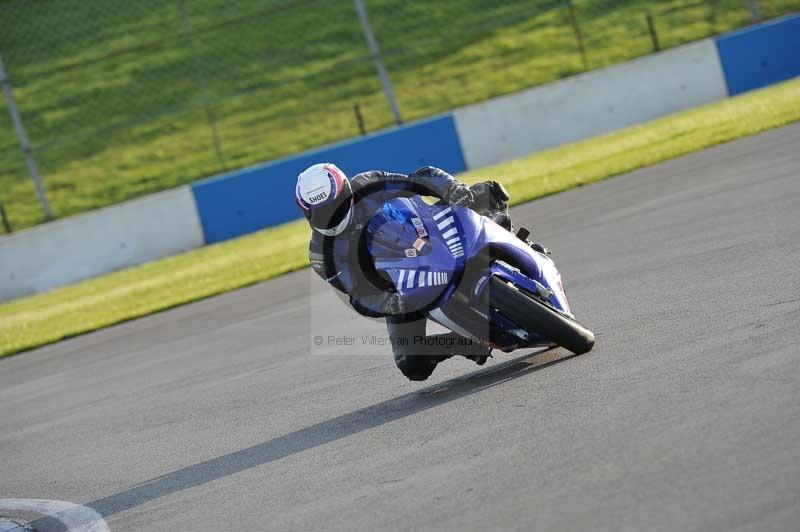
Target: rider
(338,209)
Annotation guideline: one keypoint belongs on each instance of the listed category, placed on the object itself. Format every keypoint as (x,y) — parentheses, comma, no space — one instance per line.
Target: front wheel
(536,317)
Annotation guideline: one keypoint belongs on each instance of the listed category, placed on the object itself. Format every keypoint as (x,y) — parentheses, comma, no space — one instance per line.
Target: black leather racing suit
(336,260)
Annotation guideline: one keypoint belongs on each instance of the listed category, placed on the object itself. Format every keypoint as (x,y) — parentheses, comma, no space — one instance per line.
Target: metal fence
(124,98)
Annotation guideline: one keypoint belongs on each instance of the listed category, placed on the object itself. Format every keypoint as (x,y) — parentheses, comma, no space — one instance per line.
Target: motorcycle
(474,277)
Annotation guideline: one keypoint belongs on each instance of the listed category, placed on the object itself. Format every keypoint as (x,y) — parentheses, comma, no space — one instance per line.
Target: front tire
(536,317)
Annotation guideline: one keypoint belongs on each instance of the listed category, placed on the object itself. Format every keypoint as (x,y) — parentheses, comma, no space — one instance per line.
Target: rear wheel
(535,316)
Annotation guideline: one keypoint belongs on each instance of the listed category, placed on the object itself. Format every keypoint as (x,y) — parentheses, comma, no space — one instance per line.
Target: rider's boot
(416,367)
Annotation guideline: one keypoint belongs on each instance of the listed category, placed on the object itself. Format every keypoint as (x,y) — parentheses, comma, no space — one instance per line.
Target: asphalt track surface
(222,415)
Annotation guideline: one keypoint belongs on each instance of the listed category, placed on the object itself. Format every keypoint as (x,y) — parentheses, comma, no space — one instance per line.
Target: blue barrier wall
(254,198)
(762,55)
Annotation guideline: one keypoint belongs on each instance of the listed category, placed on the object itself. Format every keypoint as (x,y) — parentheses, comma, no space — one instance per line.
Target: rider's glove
(378,304)
(460,195)
(393,305)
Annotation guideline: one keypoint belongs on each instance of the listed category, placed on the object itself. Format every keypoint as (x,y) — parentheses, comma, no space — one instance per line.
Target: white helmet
(323,194)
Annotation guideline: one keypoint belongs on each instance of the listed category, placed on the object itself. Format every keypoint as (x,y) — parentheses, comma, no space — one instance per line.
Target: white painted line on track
(74,517)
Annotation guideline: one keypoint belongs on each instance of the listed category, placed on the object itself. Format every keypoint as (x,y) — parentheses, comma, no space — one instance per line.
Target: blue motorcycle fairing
(448,238)
(531,269)
(405,242)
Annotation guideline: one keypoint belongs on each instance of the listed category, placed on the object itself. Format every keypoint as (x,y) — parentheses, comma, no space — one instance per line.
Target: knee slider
(415,368)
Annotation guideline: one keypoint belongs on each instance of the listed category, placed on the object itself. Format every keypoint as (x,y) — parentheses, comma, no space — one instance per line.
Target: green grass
(127,294)
(109,93)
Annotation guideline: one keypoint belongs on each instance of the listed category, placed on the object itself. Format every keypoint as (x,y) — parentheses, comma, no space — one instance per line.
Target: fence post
(578,35)
(653,35)
(375,52)
(6,223)
(33,168)
(753,6)
(201,80)
(359,118)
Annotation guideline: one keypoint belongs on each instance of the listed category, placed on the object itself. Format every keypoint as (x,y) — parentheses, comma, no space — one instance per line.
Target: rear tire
(536,317)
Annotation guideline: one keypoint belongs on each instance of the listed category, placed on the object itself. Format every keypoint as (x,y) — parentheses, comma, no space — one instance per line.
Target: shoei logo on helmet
(319,197)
